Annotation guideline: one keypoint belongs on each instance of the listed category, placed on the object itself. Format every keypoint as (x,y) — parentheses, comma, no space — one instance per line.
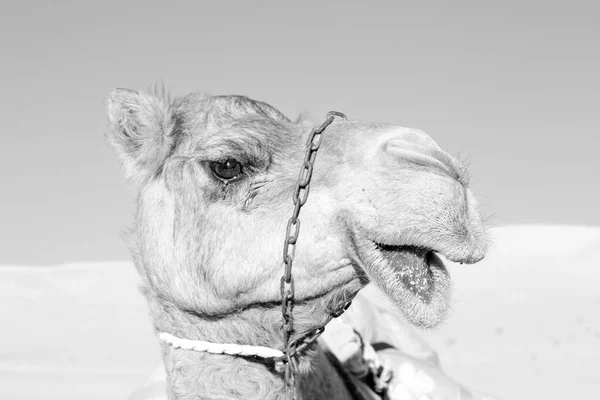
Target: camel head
(215,176)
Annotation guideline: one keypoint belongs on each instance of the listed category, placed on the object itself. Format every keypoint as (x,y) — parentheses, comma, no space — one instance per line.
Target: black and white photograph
(270,200)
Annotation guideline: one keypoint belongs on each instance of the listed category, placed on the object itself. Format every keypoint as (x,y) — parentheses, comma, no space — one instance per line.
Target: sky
(510,87)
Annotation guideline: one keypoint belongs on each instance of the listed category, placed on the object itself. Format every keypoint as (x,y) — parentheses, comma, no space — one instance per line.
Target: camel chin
(414,277)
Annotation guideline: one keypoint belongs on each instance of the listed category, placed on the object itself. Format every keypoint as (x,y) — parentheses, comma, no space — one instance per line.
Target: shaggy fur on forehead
(218,127)
(214,113)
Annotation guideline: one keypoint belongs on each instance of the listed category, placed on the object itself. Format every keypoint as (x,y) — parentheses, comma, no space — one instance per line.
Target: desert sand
(525,323)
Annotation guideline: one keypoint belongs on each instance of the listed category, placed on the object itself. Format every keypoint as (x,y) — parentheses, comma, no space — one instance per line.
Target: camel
(215,177)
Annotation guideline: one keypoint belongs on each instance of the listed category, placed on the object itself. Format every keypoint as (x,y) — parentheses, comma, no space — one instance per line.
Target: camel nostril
(419,154)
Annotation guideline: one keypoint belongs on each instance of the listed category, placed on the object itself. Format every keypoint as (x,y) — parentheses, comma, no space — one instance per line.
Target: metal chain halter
(294,347)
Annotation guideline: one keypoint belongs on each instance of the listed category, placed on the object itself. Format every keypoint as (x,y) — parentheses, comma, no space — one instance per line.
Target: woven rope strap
(220,348)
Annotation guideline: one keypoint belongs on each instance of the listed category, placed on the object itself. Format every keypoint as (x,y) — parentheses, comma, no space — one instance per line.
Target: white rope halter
(220,348)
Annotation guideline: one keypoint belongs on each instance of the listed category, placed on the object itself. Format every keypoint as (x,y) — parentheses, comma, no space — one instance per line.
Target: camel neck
(199,375)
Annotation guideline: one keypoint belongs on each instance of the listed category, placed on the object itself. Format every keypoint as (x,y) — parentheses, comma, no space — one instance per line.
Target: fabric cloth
(377,345)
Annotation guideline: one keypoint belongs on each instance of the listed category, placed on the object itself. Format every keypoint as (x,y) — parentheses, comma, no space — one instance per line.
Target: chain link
(300,196)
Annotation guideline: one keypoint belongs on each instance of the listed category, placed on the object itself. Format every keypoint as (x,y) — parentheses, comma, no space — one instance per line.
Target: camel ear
(141,130)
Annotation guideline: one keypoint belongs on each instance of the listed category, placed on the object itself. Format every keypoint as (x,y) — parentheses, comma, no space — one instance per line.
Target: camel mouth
(414,277)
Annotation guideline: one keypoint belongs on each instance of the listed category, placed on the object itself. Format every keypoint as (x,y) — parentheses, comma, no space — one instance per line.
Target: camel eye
(226,170)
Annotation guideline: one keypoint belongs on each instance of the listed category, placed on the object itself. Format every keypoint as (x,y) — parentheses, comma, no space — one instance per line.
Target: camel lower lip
(411,265)
(413,277)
